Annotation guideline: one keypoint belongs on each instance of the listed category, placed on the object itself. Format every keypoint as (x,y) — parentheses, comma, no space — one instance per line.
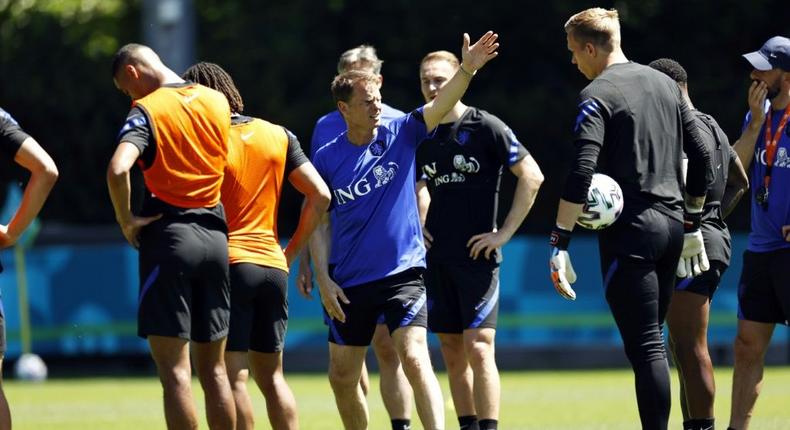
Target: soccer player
(462,164)
(395,391)
(178,132)
(19,147)
(260,155)
(377,256)
(763,290)
(689,308)
(630,124)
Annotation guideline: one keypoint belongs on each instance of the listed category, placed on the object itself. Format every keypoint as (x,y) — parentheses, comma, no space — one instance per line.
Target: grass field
(547,400)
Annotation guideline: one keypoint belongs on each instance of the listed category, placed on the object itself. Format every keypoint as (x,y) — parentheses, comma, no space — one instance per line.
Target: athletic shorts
(400,298)
(461,297)
(764,290)
(258,308)
(706,283)
(184,286)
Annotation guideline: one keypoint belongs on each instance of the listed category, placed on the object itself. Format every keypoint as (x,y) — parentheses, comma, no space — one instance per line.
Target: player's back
(251,190)
(643,141)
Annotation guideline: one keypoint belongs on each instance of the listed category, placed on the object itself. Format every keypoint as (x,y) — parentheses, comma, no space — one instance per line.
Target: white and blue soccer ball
(604,203)
(30,367)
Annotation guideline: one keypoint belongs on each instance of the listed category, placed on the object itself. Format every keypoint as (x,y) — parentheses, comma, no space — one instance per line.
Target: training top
(462,163)
(714,230)
(766,234)
(373,215)
(11,135)
(182,133)
(634,122)
(332,124)
(260,156)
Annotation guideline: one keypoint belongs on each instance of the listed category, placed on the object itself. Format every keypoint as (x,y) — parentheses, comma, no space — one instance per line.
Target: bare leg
(345,368)
(412,346)
(395,389)
(5,412)
(458,372)
(210,366)
(171,355)
(479,345)
(747,377)
(238,374)
(267,369)
(688,327)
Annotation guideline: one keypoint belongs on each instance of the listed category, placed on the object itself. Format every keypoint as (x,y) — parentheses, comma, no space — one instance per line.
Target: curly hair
(671,68)
(215,77)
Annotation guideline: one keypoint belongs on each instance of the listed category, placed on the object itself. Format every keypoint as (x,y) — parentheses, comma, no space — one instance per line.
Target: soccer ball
(30,367)
(604,203)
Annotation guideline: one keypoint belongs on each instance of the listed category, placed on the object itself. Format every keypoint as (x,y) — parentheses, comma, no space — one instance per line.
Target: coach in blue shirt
(377,255)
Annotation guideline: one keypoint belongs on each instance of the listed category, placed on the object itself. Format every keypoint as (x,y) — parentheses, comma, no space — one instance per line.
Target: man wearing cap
(763,291)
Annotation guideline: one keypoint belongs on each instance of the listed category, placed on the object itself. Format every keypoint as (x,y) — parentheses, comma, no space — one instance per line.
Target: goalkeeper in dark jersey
(631,122)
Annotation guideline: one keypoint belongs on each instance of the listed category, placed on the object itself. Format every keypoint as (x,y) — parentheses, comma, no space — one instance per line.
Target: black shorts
(184,286)
(764,291)
(461,297)
(400,298)
(258,308)
(706,283)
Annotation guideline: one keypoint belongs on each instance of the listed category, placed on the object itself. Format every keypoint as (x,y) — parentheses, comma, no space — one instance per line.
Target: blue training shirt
(374,221)
(766,234)
(332,124)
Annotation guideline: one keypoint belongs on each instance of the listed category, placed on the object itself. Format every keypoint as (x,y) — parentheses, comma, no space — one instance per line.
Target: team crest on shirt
(384,175)
(467,166)
(462,137)
(377,148)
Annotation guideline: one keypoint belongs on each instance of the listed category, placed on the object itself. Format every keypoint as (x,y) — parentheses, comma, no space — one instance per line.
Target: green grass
(548,400)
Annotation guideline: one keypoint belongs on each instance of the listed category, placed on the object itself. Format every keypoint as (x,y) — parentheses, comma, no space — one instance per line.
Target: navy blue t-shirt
(374,221)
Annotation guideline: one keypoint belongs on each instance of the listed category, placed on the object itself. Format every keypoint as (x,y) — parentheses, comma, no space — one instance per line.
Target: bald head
(137,71)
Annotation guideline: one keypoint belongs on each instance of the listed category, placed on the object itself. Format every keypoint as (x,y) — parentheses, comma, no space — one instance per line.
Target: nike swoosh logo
(246,136)
(188,99)
(717,168)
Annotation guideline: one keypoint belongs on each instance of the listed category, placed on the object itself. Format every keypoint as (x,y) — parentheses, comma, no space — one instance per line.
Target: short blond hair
(598,26)
(343,84)
(441,56)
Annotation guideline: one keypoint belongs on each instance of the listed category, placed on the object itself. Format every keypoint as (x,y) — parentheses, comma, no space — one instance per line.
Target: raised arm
(473,58)
(744,146)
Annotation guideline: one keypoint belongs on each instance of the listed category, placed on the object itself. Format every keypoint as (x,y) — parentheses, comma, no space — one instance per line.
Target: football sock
(468,422)
(401,424)
(698,424)
(488,424)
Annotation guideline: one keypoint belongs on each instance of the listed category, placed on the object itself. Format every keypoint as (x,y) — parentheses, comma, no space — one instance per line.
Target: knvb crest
(377,148)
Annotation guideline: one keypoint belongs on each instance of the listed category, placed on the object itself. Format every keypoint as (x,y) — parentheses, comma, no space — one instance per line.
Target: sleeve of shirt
(414,123)
(295,156)
(699,175)
(593,114)
(11,135)
(582,171)
(507,146)
(137,131)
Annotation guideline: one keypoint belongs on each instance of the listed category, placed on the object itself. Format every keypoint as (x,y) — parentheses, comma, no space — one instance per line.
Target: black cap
(775,54)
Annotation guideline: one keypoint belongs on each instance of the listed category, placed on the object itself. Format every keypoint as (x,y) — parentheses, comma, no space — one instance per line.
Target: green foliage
(54,60)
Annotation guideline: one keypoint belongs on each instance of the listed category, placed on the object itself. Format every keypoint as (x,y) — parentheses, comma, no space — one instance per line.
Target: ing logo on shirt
(782,159)
(381,177)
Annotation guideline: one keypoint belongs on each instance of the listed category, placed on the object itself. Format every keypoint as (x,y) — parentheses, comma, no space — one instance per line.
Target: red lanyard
(772,144)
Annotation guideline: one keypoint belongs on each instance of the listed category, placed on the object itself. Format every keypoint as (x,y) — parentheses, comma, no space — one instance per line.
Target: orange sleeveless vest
(190,125)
